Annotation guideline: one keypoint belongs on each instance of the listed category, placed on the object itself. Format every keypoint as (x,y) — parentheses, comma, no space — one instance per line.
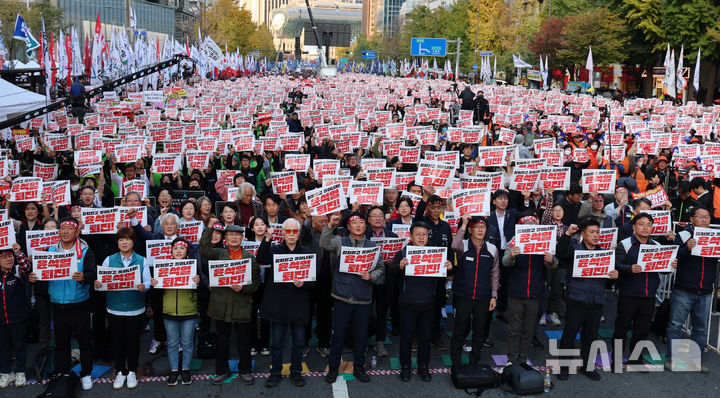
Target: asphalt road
(386,383)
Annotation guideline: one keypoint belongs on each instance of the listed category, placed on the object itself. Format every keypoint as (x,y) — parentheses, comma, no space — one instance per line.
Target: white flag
(590,68)
(696,75)
(133,18)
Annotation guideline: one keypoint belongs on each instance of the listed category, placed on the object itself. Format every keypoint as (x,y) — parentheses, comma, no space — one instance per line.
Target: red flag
(88,56)
(51,53)
(69,56)
(98,26)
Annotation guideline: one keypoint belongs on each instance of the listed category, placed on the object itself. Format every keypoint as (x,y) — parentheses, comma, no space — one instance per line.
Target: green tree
(606,38)
(9,9)
(230,25)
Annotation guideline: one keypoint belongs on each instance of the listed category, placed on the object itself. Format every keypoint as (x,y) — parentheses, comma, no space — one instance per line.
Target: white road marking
(339,388)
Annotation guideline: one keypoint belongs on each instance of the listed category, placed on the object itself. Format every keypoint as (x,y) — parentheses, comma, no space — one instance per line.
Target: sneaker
(172,379)
(360,374)
(424,374)
(253,352)
(564,373)
(438,344)
(219,379)
(119,381)
(131,380)
(247,378)
(180,348)
(602,318)
(405,374)
(154,347)
(668,365)
(555,319)
(20,380)
(323,351)
(185,377)
(6,379)
(543,321)
(595,376)
(381,350)
(703,369)
(487,343)
(306,351)
(467,347)
(265,351)
(273,381)
(86,382)
(331,376)
(297,379)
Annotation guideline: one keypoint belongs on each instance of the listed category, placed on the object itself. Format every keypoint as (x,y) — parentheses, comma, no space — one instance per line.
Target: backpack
(44,363)
(207,343)
(468,376)
(61,386)
(522,379)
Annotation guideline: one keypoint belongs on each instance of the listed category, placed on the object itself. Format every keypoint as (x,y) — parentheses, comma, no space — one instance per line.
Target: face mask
(568,152)
(594,147)
(74,188)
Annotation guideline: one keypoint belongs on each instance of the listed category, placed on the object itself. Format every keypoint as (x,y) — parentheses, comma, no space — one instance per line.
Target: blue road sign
(427,47)
(367,54)
(474,66)
(486,53)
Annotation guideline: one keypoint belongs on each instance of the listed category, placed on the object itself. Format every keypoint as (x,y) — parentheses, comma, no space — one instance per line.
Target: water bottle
(547,383)
(373,362)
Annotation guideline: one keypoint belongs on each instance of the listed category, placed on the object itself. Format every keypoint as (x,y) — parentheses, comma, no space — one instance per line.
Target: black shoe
(219,379)
(595,376)
(173,378)
(438,344)
(186,378)
(247,378)
(424,374)
(297,379)
(360,374)
(487,343)
(331,376)
(273,381)
(405,374)
(537,344)
(564,373)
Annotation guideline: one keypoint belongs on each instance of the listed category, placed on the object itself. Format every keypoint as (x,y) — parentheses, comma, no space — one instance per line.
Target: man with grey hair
(247,204)
(285,305)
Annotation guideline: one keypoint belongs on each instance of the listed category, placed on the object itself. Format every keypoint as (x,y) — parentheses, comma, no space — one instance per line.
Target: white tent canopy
(15,100)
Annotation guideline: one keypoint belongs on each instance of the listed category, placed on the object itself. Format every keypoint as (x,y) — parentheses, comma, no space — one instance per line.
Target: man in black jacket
(467,97)
(584,297)
(417,303)
(481,108)
(285,305)
(353,295)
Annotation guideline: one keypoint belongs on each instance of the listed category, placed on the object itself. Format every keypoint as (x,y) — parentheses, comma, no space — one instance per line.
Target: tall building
(391,17)
(371,12)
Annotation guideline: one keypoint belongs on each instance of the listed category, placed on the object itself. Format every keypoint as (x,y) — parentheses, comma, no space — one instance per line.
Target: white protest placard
(251,246)
(325,200)
(290,267)
(662,221)
(298,162)
(100,220)
(354,260)
(26,189)
(525,179)
(284,182)
(158,249)
(608,238)
(366,192)
(593,263)
(190,230)
(140,215)
(7,234)
(426,261)
(166,163)
(600,181)
(656,196)
(389,247)
(84,158)
(118,279)
(323,167)
(53,266)
(45,171)
(557,178)
(135,185)
(128,153)
(707,242)
(475,202)
(434,174)
(402,231)
(656,258)
(491,156)
(41,240)
(225,273)
(536,239)
(384,175)
(175,274)
(197,159)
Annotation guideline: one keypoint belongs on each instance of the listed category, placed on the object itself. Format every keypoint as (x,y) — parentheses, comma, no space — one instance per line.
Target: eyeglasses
(702,217)
(292,231)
